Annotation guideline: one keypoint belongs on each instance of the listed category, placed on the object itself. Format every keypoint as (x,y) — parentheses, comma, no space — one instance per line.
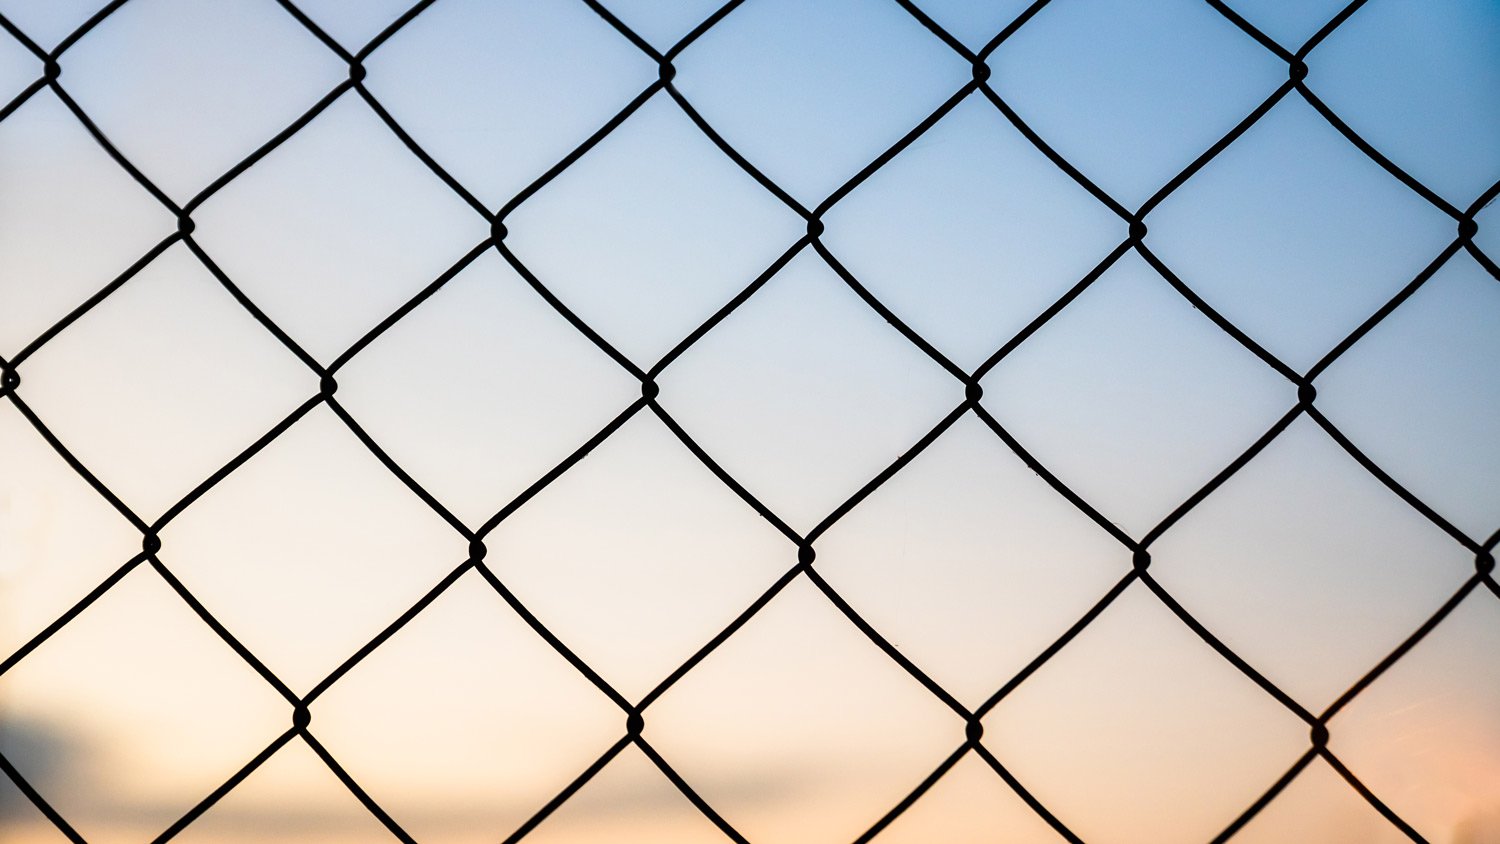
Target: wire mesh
(801,562)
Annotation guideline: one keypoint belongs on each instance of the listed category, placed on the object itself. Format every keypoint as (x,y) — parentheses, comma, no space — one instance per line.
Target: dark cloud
(46,754)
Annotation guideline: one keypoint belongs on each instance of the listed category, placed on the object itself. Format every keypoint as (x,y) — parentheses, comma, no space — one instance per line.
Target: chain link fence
(1135,550)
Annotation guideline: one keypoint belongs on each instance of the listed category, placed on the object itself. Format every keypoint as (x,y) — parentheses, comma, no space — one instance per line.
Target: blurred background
(466,722)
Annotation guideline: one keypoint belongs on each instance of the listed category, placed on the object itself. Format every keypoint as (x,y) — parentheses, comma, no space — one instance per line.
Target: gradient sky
(797,729)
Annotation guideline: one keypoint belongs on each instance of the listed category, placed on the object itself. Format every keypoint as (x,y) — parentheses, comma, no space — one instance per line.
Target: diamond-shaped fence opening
(757,421)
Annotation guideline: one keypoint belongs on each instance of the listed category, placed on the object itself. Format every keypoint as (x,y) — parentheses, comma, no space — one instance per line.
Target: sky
(466,722)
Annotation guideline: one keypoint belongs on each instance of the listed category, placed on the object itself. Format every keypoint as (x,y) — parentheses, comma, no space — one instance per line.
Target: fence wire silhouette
(801,556)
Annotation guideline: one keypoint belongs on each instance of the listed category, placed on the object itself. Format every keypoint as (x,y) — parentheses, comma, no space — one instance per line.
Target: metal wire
(801,551)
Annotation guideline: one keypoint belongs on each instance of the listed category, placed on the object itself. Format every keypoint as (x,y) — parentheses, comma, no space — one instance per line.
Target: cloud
(46,754)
